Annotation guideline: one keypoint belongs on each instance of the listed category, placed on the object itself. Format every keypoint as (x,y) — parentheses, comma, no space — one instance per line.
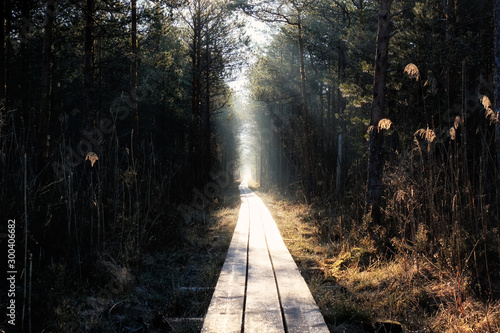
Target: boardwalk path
(260,288)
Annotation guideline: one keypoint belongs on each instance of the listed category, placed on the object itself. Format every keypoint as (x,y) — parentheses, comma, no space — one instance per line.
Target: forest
(125,127)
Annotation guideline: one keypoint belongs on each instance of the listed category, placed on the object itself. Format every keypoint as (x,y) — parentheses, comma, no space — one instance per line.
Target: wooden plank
(262,308)
(225,313)
(276,294)
(299,307)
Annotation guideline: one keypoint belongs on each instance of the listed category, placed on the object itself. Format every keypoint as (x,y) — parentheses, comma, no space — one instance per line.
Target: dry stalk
(412,71)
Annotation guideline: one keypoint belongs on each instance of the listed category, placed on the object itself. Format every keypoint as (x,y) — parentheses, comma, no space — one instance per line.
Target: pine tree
(376,155)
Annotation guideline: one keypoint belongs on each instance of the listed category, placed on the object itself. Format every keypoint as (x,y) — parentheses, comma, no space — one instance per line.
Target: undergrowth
(362,286)
(165,289)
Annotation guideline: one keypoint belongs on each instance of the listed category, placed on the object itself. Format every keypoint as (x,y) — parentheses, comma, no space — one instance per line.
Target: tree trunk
(25,61)
(322,116)
(196,99)
(43,131)
(340,105)
(497,83)
(206,131)
(307,133)
(451,71)
(3,63)
(133,81)
(89,93)
(329,121)
(376,158)
(8,18)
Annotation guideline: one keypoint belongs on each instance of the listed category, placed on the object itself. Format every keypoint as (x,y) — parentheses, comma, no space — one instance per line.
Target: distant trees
(101,131)
(213,46)
(293,13)
(88,48)
(313,34)
(412,130)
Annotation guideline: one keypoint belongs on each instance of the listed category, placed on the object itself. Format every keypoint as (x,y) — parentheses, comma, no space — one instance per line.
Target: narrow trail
(260,288)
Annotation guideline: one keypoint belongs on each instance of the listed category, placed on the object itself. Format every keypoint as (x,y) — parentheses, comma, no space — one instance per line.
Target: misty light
(243,105)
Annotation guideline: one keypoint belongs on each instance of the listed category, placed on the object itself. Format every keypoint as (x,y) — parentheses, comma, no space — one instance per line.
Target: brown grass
(488,108)
(354,285)
(426,134)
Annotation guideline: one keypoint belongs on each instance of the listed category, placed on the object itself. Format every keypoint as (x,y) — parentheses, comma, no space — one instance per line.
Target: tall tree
(497,80)
(292,13)
(25,59)
(133,80)
(212,52)
(197,22)
(451,70)
(3,64)
(376,144)
(88,72)
(305,109)
(45,110)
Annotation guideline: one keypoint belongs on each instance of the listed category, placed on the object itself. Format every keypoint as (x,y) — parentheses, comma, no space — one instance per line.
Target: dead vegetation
(361,289)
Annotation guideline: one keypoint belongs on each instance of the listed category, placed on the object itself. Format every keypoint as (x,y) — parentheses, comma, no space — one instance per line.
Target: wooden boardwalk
(260,288)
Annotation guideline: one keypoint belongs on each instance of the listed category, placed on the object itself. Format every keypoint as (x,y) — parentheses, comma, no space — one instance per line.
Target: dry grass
(488,108)
(355,286)
(384,124)
(165,291)
(425,134)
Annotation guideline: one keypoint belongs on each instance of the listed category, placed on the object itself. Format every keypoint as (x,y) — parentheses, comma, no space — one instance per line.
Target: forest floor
(167,289)
(361,290)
